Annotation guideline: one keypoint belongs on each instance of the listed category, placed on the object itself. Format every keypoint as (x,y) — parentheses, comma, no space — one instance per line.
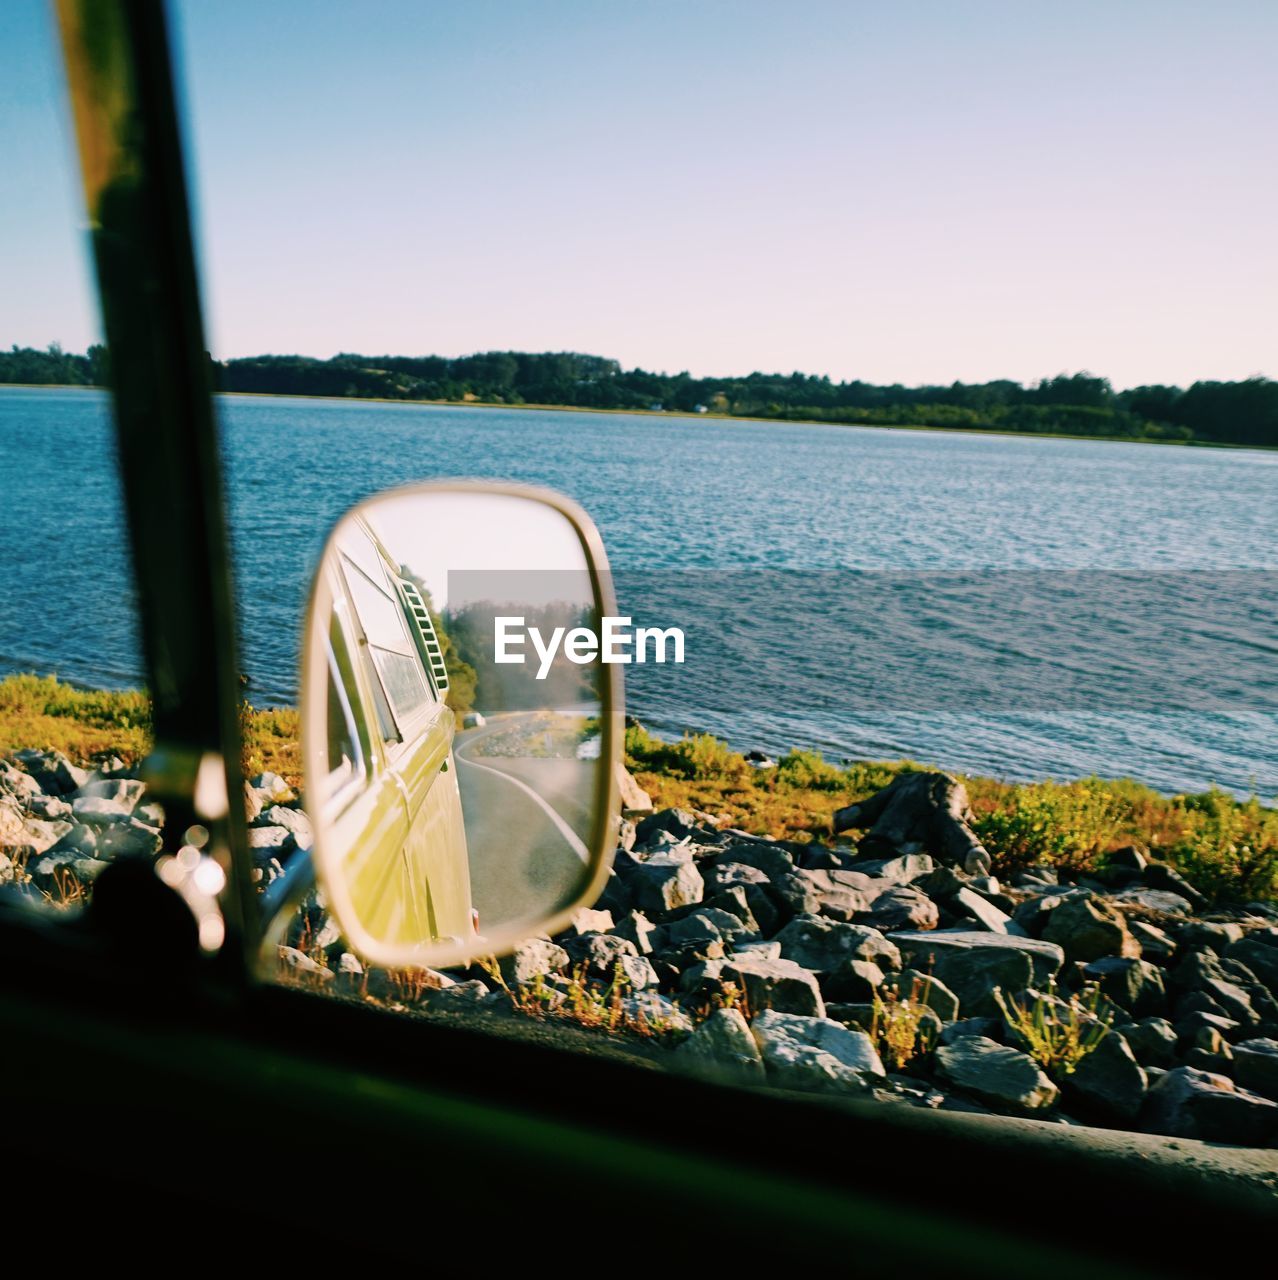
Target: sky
(917,192)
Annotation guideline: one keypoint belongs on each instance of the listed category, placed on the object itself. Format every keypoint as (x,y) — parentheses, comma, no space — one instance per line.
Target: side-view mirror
(459,734)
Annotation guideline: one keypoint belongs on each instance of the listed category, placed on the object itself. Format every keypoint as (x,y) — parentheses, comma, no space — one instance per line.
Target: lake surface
(1017,606)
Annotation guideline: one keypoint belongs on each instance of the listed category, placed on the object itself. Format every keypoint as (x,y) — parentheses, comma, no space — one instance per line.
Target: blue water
(861,638)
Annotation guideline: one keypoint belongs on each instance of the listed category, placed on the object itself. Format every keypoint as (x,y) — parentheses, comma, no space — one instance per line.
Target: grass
(901,1027)
(89,725)
(1227,848)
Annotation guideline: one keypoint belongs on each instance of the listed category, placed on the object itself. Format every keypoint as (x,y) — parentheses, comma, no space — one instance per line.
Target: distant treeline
(1075,404)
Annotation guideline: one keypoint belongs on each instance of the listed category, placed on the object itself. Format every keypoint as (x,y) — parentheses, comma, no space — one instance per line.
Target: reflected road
(525,820)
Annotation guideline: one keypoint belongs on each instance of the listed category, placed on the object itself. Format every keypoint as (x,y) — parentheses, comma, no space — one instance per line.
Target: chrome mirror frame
(313,701)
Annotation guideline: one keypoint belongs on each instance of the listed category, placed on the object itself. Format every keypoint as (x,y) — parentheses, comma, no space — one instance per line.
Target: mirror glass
(458,723)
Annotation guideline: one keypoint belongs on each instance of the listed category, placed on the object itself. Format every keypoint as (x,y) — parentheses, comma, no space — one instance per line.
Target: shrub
(1067,825)
(1058,1034)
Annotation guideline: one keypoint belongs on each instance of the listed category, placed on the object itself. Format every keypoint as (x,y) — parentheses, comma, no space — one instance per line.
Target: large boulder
(779,985)
(918,812)
(823,945)
(994,1074)
(635,801)
(1256,1066)
(1134,985)
(901,907)
(1260,957)
(532,959)
(1109,1082)
(1188,1103)
(1154,1042)
(664,882)
(1087,929)
(815,1053)
(973,964)
(723,1046)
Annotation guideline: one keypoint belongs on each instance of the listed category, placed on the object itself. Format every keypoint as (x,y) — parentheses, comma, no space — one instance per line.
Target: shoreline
(696,417)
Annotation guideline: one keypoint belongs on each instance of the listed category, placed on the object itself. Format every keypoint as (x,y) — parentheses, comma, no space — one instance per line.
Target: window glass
(74,716)
(779,863)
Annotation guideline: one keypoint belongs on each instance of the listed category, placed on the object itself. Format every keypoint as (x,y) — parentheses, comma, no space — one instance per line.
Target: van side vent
(426,629)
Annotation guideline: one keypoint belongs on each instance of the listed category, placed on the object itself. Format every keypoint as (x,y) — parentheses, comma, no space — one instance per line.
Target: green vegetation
(903,1028)
(1226,848)
(1079,404)
(1057,1033)
(88,725)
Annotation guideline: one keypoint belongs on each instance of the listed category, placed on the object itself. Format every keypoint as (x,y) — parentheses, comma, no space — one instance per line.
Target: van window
(393,652)
(346,756)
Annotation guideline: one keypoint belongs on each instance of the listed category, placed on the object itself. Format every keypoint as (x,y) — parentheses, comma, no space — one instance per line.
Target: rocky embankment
(889,965)
(897,967)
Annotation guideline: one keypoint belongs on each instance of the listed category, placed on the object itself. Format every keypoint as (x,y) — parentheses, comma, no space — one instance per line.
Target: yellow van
(390,796)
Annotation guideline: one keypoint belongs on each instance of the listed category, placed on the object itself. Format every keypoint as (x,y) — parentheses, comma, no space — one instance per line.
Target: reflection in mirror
(457,723)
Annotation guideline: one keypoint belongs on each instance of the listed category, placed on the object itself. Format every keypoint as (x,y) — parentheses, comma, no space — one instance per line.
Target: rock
(125,791)
(1172,904)
(705,925)
(1129,859)
(1162,878)
(664,883)
(1134,985)
(972,964)
(53,771)
(823,945)
(815,1053)
(1087,929)
(723,877)
(925,989)
(1034,913)
(1188,1103)
(50,871)
(534,958)
(1154,943)
(966,902)
(1256,1066)
(918,812)
(901,907)
(904,869)
(770,950)
(1259,957)
(656,1012)
(129,838)
(294,821)
(676,822)
(1108,1082)
(252,803)
(22,837)
(273,789)
(773,860)
(635,801)
(587,920)
(1199,935)
(989,1028)
(723,1046)
(1153,1041)
(735,902)
(941,883)
(97,811)
(637,929)
(294,964)
(854,980)
(50,808)
(779,985)
(994,1074)
(277,840)
(18,785)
